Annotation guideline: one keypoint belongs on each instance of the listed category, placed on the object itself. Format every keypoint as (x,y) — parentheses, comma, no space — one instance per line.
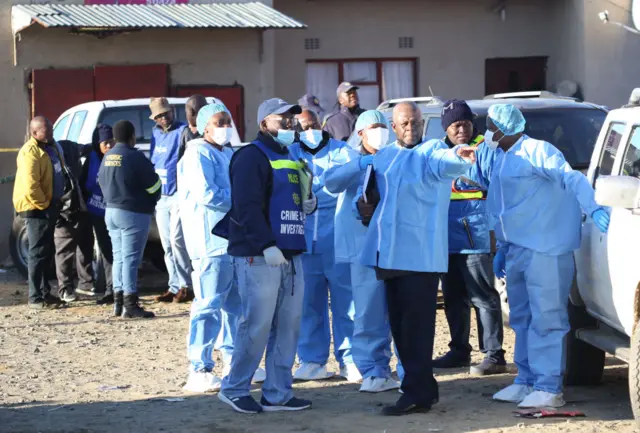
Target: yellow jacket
(33,187)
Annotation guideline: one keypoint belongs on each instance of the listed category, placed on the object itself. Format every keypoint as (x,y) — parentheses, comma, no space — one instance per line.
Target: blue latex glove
(365,160)
(500,264)
(601,219)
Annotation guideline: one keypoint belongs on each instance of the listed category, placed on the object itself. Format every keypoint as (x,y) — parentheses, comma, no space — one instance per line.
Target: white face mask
(222,136)
(488,138)
(311,138)
(377,138)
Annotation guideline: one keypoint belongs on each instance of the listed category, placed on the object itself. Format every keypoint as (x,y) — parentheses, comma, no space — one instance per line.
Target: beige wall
(452,39)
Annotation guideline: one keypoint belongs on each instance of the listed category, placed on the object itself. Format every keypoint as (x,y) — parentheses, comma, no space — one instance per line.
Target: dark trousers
(411,301)
(470,282)
(106,252)
(74,243)
(40,236)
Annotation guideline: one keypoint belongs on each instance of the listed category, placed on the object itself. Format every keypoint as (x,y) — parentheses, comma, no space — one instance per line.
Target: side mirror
(618,191)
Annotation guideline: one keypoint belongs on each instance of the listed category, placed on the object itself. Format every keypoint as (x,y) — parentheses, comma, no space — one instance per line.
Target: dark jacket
(251,178)
(128,180)
(342,123)
(186,136)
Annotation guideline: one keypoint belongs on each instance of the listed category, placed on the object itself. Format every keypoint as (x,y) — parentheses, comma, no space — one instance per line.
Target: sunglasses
(162,116)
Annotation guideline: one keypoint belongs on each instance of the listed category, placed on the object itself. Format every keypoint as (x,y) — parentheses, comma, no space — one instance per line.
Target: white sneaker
(259,376)
(513,393)
(351,372)
(379,384)
(312,371)
(202,381)
(542,399)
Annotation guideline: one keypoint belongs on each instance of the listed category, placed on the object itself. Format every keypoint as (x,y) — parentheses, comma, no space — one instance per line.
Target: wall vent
(405,42)
(312,44)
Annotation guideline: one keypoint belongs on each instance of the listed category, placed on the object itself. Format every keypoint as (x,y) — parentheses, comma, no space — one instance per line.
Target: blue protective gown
(415,238)
(535,198)
(371,335)
(321,269)
(205,198)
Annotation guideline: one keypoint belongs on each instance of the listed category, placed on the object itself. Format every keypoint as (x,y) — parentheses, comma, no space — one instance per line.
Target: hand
(274,257)
(500,264)
(468,153)
(601,219)
(365,160)
(308,206)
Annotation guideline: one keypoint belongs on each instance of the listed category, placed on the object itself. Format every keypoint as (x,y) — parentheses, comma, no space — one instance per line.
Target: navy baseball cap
(345,87)
(276,106)
(310,101)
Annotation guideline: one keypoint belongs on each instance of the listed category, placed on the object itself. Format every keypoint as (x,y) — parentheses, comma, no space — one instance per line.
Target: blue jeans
(176,257)
(470,282)
(213,287)
(321,276)
(538,289)
(371,332)
(128,232)
(226,337)
(271,308)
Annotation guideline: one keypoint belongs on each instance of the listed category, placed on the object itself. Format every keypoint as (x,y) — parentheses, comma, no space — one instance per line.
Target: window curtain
(397,80)
(322,82)
(369,97)
(360,71)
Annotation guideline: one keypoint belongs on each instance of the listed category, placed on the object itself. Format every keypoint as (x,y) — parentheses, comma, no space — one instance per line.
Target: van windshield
(139,117)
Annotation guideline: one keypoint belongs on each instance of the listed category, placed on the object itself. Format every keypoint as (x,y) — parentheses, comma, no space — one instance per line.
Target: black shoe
(107,299)
(292,405)
(244,404)
(51,301)
(132,310)
(405,407)
(450,360)
(118,300)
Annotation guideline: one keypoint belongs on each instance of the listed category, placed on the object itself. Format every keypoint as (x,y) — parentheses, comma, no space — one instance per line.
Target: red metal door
(55,90)
(131,81)
(232,96)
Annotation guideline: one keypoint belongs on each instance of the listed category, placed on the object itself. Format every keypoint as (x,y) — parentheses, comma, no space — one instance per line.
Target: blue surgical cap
(370,117)
(507,118)
(205,114)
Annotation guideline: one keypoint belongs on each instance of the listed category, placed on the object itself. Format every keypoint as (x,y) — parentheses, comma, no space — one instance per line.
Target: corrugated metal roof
(217,15)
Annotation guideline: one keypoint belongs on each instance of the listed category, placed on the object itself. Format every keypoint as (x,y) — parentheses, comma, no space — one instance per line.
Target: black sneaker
(292,405)
(244,404)
(450,360)
(51,301)
(87,291)
(405,407)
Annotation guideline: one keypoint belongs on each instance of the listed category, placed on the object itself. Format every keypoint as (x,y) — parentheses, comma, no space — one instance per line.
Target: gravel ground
(79,370)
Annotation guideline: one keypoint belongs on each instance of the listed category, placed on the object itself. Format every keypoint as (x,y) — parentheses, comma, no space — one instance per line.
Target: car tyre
(585,363)
(634,374)
(18,245)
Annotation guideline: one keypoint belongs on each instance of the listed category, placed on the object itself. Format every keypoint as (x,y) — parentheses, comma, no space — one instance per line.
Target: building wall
(452,39)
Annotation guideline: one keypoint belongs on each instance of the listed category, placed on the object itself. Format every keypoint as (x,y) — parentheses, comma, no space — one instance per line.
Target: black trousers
(411,301)
(40,236)
(74,243)
(106,251)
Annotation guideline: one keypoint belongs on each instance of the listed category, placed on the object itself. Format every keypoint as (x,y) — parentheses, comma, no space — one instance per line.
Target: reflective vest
(165,157)
(95,200)
(469,194)
(286,216)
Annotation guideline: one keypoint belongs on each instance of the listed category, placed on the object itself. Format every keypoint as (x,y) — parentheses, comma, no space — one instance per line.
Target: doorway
(517,74)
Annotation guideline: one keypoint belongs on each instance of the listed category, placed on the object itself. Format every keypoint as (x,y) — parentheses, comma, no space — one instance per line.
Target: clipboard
(306,179)
(369,188)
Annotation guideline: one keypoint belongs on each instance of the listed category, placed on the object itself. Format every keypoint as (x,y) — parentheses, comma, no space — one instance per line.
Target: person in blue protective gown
(266,240)
(535,197)
(407,244)
(371,343)
(322,275)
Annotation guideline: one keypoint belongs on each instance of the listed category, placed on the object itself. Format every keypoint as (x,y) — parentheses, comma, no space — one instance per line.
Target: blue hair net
(205,114)
(370,117)
(507,118)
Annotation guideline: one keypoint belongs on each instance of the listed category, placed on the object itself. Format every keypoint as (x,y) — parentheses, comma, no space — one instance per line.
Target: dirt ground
(58,371)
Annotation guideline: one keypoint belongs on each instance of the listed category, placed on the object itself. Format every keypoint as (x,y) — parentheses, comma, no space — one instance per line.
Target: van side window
(76,125)
(612,143)
(434,129)
(60,127)
(632,155)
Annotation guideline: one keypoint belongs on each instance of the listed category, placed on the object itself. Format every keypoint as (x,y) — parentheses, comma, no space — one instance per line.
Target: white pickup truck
(605,301)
